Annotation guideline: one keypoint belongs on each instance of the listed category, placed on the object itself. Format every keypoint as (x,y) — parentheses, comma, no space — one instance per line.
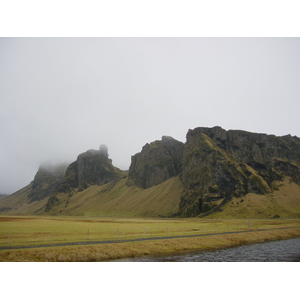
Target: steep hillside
(2,196)
(33,197)
(220,165)
(46,181)
(112,199)
(157,162)
(216,173)
(283,202)
(210,174)
(20,202)
(91,168)
(118,199)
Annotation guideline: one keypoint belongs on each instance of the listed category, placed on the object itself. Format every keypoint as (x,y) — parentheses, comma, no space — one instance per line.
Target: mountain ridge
(212,168)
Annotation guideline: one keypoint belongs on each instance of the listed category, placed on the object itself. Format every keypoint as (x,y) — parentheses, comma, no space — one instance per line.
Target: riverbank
(109,252)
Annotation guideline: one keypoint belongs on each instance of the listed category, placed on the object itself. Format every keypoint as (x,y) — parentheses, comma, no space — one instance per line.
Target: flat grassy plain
(19,230)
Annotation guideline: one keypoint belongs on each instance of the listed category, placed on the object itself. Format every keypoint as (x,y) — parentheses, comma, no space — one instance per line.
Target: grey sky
(62,96)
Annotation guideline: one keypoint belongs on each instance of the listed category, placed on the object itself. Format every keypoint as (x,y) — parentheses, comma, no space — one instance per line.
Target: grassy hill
(19,202)
(284,202)
(215,174)
(2,196)
(112,199)
(116,199)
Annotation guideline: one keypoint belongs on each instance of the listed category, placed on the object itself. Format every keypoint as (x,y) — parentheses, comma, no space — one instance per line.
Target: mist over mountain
(170,178)
(2,196)
(60,97)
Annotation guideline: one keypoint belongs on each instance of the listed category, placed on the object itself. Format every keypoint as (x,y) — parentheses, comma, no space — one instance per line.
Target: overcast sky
(60,97)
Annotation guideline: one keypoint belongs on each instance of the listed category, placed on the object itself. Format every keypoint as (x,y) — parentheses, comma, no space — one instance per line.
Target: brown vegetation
(107,252)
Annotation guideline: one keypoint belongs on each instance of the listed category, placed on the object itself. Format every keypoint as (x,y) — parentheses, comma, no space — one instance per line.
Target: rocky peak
(220,164)
(252,148)
(46,180)
(157,162)
(91,168)
(103,150)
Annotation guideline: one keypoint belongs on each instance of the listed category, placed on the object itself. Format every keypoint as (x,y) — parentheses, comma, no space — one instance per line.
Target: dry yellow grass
(116,199)
(112,199)
(120,200)
(132,228)
(106,252)
(37,230)
(284,202)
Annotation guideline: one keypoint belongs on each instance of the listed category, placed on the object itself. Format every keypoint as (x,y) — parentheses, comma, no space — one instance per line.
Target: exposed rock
(210,174)
(91,168)
(52,201)
(220,164)
(212,167)
(71,178)
(157,162)
(287,168)
(46,181)
(254,149)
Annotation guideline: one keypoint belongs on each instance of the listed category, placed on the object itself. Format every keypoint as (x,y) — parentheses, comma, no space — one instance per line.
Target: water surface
(274,251)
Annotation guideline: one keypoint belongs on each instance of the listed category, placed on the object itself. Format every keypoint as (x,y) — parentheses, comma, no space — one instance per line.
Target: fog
(60,97)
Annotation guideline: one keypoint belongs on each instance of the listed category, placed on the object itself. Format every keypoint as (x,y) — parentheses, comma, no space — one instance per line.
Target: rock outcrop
(254,149)
(91,168)
(220,164)
(212,168)
(157,162)
(46,181)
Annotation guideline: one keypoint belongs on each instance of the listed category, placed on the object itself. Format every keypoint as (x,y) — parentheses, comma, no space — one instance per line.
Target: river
(274,251)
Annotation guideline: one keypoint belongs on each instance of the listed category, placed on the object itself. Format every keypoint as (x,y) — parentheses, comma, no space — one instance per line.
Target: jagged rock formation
(157,162)
(220,164)
(91,168)
(46,181)
(53,185)
(215,169)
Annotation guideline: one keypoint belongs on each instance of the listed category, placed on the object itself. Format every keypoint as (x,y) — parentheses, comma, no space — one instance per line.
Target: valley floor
(148,236)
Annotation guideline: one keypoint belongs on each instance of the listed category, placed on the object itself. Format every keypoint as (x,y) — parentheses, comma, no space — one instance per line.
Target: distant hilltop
(204,176)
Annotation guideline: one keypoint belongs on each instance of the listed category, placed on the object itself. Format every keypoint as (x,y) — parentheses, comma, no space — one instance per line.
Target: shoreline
(237,242)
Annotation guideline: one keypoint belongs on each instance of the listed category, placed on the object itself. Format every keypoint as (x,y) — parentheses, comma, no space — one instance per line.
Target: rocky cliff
(246,174)
(157,162)
(219,165)
(91,168)
(46,181)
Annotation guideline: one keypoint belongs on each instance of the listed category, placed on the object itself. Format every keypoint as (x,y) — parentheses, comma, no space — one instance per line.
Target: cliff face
(255,149)
(157,162)
(46,181)
(91,168)
(216,165)
(220,164)
(200,177)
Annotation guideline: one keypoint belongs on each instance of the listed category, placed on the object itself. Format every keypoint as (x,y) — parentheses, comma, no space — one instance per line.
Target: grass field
(36,230)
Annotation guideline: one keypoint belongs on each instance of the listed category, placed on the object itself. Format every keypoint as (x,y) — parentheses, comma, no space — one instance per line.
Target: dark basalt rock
(220,164)
(157,162)
(46,181)
(214,165)
(52,201)
(91,168)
